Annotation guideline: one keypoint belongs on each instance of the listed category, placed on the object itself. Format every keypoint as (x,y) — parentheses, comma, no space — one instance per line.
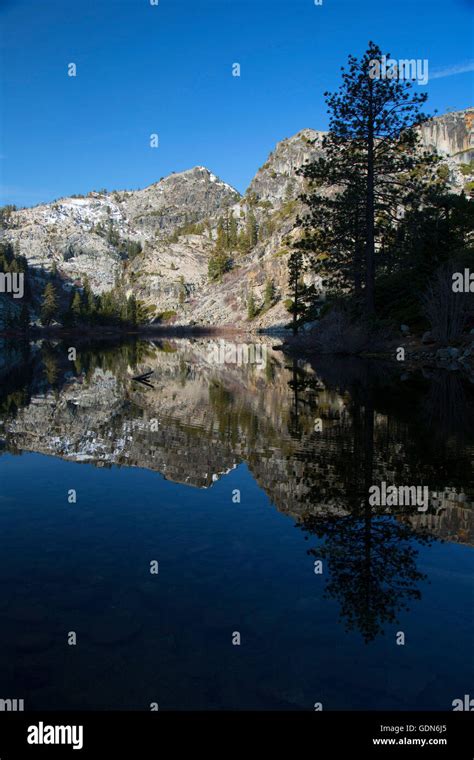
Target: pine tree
(132,310)
(251,307)
(49,306)
(252,230)
(88,302)
(220,260)
(233,231)
(269,294)
(372,147)
(219,263)
(76,307)
(221,239)
(113,237)
(303,296)
(334,235)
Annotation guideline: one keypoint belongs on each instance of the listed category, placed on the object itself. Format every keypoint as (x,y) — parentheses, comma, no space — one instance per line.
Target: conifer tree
(251,306)
(303,296)
(49,305)
(132,310)
(269,294)
(372,146)
(76,307)
(252,230)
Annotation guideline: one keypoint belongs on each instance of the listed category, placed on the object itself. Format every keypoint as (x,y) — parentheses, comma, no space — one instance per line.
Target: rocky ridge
(174,222)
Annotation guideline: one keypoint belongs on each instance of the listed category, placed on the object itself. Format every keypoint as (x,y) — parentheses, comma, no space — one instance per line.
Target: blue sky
(167,69)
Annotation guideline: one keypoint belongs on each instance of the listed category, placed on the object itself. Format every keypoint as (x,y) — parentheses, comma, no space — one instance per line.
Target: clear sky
(167,69)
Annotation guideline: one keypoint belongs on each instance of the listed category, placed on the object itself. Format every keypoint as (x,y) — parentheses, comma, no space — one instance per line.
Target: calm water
(236,480)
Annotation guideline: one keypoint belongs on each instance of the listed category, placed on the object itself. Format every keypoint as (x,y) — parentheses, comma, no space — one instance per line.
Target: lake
(205,541)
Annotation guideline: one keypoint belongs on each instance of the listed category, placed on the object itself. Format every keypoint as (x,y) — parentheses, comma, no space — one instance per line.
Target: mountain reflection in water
(319,611)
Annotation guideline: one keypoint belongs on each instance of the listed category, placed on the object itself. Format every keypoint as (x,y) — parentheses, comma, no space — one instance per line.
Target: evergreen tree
(113,237)
(88,302)
(269,294)
(233,232)
(76,307)
(219,263)
(251,306)
(303,296)
(132,313)
(371,146)
(220,260)
(334,237)
(252,230)
(49,305)
(221,239)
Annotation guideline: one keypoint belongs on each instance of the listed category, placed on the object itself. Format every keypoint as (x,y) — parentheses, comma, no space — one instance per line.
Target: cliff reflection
(315,438)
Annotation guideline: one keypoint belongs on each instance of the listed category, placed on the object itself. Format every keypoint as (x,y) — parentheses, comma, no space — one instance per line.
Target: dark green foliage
(251,306)
(188,228)
(221,258)
(219,263)
(372,165)
(443,171)
(467,169)
(303,297)
(76,307)
(269,297)
(49,305)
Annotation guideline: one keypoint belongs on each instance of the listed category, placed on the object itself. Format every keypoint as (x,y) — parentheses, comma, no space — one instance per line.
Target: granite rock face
(175,222)
(82,236)
(451,135)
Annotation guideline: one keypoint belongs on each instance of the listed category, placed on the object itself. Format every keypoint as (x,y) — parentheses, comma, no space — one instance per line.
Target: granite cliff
(157,241)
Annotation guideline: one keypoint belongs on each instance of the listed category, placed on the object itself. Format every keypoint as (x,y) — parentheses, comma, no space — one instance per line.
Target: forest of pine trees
(230,242)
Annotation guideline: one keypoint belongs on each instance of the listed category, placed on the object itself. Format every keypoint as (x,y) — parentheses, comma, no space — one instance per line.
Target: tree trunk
(370,221)
(357,259)
(295,309)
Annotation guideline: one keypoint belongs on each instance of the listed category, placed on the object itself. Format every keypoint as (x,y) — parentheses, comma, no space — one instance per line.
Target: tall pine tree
(372,147)
(49,305)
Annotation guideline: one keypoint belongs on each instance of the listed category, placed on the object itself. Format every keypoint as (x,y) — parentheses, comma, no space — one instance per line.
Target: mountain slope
(157,241)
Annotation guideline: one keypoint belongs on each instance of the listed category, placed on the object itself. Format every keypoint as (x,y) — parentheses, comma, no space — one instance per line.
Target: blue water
(224,567)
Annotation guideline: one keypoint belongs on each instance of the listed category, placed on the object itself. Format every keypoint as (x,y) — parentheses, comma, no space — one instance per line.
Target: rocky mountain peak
(159,239)
(277,181)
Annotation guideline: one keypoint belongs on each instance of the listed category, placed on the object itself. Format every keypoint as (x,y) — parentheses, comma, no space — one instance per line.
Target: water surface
(236,480)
